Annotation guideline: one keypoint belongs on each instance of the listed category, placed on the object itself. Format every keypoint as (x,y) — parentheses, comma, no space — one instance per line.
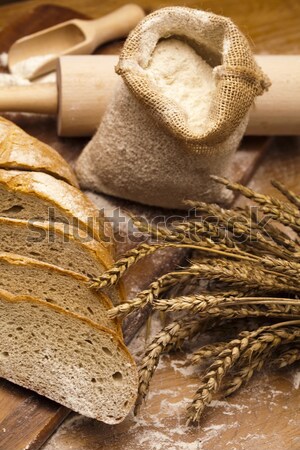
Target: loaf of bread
(57,338)
(66,357)
(20,151)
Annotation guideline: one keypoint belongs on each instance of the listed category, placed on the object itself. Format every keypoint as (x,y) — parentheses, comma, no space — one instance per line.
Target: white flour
(296,380)
(184,77)
(27,67)
(19,79)
(6,79)
(3,59)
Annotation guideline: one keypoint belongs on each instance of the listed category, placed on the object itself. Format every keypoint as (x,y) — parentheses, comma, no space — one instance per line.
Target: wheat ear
(112,276)
(171,336)
(286,357)
(248,347)
(290,195)
(281,211)
(147,296)
(207,352)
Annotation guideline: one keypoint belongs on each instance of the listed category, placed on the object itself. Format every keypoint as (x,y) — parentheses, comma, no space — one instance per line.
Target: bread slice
(20,151)
(52,284)
(65,357)
(39,196)
(54,243)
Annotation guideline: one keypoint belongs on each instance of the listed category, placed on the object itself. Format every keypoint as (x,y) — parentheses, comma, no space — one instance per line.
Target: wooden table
(266,414)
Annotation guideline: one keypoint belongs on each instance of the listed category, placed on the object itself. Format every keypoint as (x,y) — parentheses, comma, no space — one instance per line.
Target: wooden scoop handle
(115,25)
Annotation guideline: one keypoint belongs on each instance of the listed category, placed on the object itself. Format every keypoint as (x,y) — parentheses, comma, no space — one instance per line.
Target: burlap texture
(144,150)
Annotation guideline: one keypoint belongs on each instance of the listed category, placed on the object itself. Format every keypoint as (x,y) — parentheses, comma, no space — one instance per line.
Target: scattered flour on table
(253,437)
(181,75)
(170,392)
(213,431)
(226,405)
(181,367)
(157,440)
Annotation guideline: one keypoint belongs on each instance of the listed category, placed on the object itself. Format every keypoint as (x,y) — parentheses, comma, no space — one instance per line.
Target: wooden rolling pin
(86,83)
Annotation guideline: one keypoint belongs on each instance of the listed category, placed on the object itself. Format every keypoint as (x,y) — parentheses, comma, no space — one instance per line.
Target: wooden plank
(26,418)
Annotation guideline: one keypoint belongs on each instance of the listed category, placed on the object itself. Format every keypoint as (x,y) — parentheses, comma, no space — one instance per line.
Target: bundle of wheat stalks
(251,267)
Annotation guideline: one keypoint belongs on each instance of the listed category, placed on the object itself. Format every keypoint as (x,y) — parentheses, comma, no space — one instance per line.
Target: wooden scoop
(37,54)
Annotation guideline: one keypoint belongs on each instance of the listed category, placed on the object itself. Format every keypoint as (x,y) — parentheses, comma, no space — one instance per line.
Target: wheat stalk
(282,212)
(243,376)
(171,336)
(194,303)
(250,276)
(112,276)
(265,266)
(263,226)
(282,266)
(286,357)
(271,339)
(207,352)
(290,195)
(248,347)
(147,296)
(235,275)
(205,305)
(261,199)
(245,271)
(247,232)
(211,381)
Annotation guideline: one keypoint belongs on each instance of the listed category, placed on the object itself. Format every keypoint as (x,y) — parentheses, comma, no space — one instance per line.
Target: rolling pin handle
(34,98)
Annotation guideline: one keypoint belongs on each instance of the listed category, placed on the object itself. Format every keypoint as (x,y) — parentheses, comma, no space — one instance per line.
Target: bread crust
(96,248)
(19,260)
(10,298)
(69,199)
(20,151)
(30,169)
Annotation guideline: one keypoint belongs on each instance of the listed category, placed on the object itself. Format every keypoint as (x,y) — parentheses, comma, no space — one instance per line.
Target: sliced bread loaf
(20,151)
(52,284)
(65,357)
(39,196)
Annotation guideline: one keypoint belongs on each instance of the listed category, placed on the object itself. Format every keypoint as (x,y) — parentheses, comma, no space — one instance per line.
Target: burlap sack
(144,150)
